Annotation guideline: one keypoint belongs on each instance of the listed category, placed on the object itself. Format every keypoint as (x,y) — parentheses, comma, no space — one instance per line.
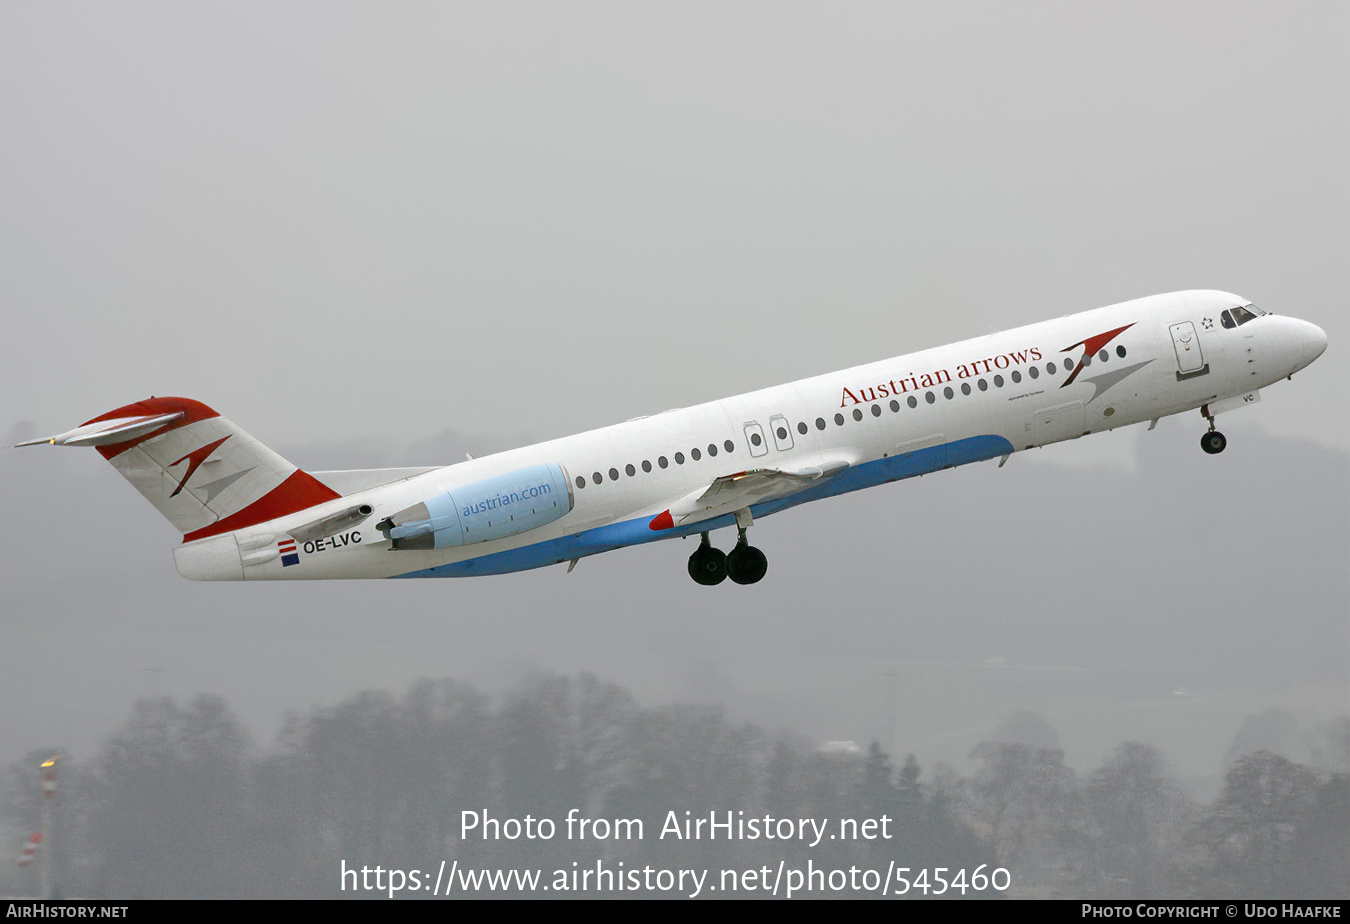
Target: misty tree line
(180,803)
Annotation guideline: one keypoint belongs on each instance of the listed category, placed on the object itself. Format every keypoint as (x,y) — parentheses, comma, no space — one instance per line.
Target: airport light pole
(48,797)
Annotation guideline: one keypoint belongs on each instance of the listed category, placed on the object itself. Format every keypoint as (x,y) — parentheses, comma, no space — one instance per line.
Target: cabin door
(1190,361)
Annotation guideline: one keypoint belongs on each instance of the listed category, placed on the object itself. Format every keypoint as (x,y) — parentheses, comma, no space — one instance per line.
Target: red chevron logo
(194,459)
(1090,346)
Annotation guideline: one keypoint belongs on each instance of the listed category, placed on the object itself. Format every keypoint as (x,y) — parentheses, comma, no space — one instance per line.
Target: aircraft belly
(637,531)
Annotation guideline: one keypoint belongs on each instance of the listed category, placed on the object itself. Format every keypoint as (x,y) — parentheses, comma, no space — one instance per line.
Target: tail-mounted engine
(336,523)
(494,508)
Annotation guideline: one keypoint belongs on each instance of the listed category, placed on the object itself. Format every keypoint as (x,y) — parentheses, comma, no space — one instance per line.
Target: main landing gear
(744,565)
(708,565)
(1212,442)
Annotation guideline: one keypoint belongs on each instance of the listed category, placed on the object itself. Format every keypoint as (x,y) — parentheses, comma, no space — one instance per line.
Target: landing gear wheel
(1213,442)
(708,566)
(746,564)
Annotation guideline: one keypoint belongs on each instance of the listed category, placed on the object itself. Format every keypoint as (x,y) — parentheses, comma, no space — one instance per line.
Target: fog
(390,237)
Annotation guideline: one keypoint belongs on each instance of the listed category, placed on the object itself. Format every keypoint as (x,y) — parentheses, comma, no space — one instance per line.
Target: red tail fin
(201,471)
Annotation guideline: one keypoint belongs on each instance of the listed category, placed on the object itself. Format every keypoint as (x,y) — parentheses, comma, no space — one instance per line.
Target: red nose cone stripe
(662,520)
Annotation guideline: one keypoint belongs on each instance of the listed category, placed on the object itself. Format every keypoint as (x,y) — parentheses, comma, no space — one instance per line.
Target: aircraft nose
(1310,343)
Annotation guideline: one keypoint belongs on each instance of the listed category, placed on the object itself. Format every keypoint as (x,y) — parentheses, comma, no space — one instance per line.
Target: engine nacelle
(494,508)
(335,523)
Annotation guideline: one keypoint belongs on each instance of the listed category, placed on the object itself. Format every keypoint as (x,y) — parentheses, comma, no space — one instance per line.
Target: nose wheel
(1212,442)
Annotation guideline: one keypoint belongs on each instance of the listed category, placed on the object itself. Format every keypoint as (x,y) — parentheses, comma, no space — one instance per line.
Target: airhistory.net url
(617,877)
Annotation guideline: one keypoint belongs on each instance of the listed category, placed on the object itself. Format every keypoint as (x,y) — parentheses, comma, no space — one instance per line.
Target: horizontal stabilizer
(107,432)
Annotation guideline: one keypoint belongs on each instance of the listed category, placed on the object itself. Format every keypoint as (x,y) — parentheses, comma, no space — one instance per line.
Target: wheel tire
(1213,442)
(708,566)
(746,564)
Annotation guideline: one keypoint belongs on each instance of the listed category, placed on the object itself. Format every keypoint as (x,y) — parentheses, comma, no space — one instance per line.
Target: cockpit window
(1235,317)
(1256,311)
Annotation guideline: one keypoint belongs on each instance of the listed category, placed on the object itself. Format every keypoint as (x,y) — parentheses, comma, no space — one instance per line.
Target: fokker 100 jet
(248,514)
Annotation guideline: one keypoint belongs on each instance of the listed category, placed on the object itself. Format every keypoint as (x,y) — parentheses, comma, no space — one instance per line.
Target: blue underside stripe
(634,532)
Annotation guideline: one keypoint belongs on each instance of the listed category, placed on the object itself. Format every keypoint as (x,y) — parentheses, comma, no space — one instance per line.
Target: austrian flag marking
(289,556)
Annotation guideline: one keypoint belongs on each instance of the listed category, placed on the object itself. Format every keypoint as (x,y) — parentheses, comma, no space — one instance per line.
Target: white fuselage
(883,421)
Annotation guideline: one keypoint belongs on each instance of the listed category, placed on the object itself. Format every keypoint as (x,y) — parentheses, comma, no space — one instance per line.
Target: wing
(740,491)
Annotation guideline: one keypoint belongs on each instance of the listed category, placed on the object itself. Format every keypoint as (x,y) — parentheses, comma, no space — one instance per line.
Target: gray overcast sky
(387,234)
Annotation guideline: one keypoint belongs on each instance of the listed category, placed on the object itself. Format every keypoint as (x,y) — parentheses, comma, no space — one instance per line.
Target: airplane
(248,514)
